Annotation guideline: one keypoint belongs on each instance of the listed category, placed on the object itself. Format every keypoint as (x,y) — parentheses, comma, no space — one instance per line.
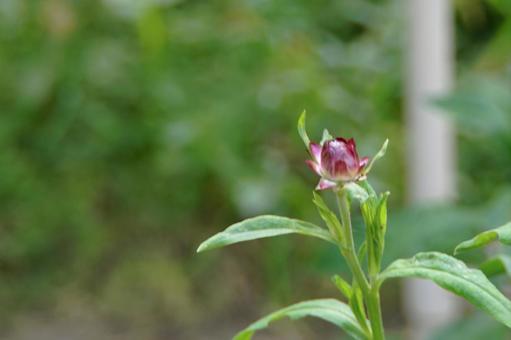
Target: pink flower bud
(336,161)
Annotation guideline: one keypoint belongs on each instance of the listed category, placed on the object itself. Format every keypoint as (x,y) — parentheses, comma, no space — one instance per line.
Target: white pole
(431,145)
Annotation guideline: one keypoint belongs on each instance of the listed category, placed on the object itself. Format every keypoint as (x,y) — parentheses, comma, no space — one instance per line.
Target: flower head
(336,161)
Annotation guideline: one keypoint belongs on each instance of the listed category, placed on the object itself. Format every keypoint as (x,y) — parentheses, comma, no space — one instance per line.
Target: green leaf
(343,286)
(378,155)
(263,226)
(364,183)
(301,129)
(381,213)
(500,264)
(471,327)
(362,251)
(356,192)
(330,310)
(328,216)
(326,136)
(356,302)
(374,213)
(502,233)
(454,276)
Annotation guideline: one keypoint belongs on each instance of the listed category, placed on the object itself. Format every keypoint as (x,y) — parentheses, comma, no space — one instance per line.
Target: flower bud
(336,161)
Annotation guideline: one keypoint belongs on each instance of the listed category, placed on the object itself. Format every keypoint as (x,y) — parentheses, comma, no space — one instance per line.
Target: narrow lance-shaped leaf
(326,136)
(374,213)
(301,129)
(356,302)
(343,286)
(330,310)
(372,240)
(454,276)
(378,155)
(328,216)
(502,233)
(263,226)
(381,213)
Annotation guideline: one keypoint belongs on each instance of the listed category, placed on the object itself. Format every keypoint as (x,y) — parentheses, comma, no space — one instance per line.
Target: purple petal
(315,150)
(340,168)
(314,166)
(363,162)
(325,184)
(352,148)
(342,140)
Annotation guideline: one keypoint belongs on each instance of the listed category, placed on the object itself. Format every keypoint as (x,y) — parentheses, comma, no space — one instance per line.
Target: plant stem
(374,312)
(348,248)
(369,291)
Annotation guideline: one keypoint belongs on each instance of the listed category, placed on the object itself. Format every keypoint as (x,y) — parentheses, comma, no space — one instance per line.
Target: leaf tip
(326,136)
(379,154)
(383,148)
(385,144)
(202,247)
(385,194)
(301,120)
(460,248)
(301,129)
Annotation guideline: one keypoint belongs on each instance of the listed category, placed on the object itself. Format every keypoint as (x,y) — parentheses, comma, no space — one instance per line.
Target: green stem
(348,247)
(369,291)
(374,312)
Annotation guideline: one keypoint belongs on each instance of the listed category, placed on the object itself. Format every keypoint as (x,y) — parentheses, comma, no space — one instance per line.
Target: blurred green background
(132,130)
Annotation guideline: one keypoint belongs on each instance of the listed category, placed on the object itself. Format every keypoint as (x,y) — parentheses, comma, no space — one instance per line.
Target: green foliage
(356,192)
(378,155)
(129,125)
(302,131)
(326,136)
(343,286)
(497,265)
(454,276)
(502,233)
(330,310)
(356,302)
(474,327)
(374,213)
(263,226)
(331,220)
(424,227)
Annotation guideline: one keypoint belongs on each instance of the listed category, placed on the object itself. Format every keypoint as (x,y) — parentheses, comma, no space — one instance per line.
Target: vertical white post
(431,145)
